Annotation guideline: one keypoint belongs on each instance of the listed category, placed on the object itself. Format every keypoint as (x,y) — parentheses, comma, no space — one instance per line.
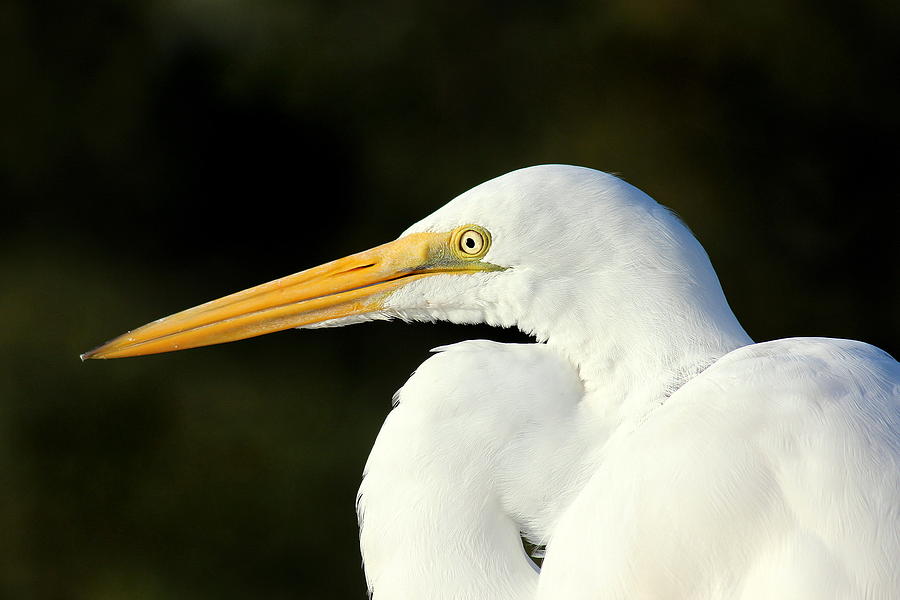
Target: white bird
(654,448)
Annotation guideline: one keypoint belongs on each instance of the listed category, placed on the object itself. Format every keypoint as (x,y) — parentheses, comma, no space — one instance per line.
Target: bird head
(510,252)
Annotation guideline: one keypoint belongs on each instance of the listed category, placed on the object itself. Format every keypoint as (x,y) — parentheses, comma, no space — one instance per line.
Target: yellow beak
(354,285)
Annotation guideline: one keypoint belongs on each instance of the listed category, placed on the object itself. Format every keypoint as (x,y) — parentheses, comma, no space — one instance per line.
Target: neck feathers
(648,318)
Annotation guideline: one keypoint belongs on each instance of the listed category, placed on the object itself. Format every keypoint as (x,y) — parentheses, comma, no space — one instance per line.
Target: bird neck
(637,333)
(631,365)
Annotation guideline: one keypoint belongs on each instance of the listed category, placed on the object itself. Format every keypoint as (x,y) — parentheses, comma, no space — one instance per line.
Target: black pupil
(470,243)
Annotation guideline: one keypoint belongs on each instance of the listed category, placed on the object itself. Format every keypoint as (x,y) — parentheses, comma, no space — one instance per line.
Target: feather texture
(655,449)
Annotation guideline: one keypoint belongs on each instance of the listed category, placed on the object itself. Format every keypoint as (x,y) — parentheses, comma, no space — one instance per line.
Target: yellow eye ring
(471,241)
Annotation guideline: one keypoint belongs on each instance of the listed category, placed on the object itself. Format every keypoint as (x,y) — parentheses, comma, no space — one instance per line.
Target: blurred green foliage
(158,154)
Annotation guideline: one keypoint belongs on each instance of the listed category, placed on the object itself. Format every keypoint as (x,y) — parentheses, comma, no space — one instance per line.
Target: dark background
(154,155)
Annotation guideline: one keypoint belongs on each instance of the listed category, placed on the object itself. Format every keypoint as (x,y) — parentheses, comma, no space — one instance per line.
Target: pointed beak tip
(93,353)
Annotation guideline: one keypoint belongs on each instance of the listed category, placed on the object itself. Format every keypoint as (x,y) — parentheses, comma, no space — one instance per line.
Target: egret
(654,448)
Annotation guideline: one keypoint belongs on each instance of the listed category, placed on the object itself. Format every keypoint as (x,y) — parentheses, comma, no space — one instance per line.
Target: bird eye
(471,242)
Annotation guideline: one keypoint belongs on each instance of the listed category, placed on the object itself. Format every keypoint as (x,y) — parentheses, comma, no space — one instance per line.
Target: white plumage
(649,443)
(645,439)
